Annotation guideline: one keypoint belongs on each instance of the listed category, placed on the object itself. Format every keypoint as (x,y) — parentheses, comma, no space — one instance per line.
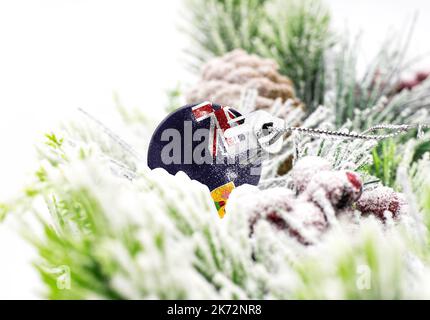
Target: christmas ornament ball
(191,139)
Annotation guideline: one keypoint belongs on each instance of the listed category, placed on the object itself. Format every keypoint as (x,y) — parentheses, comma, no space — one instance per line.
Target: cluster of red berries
(409,84)
(319,188)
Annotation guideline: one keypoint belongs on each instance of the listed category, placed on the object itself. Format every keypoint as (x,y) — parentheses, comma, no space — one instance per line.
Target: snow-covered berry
(306,168)
(300,219)
(380,202)
(413,82)
(341,188)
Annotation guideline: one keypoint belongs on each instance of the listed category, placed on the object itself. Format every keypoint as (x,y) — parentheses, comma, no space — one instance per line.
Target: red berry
(285,213)
(354,179)
(276,220)
(341,188)
(411,83)
(421,76)
(379,201)
(306,168)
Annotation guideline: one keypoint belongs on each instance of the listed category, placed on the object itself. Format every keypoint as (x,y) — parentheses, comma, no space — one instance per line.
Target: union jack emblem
(220,121)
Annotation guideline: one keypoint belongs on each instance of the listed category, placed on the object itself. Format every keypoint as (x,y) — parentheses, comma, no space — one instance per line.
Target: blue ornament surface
(187,123)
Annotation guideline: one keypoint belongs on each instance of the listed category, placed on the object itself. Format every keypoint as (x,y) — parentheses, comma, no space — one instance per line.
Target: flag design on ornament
(220,196)
(192,139)
(219,122)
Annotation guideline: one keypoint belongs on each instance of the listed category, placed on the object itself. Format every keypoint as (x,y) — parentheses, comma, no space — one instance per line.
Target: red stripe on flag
(202,111)
(222,119)
(214,142)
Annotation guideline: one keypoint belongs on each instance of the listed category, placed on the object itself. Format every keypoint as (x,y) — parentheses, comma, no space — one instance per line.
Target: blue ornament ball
(191,139)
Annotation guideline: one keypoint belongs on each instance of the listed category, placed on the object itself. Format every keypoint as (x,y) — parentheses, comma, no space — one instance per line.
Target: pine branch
(360,99)
(298,38)
(219,26)
(158,236)
(386,160)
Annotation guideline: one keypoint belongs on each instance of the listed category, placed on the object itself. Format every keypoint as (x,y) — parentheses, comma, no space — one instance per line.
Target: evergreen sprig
(298,38)
(219,26)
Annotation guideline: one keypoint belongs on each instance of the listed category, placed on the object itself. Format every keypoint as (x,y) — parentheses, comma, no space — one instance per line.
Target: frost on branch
(158,236)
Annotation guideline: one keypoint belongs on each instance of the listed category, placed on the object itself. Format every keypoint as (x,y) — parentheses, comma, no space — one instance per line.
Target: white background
(57,55)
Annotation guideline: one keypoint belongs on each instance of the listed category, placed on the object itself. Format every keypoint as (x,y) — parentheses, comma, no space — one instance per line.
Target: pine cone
(224,79)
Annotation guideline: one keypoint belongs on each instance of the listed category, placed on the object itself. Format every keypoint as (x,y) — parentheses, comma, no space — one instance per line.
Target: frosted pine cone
(381,201)
(225,78)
